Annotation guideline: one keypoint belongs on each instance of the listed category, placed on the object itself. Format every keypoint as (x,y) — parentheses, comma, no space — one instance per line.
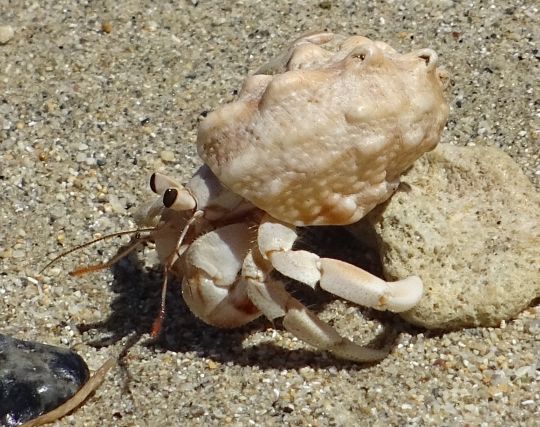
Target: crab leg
(219,295)
(347,281)
(271,297)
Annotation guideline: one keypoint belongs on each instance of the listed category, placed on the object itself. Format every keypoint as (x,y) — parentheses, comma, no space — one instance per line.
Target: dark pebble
(36,378)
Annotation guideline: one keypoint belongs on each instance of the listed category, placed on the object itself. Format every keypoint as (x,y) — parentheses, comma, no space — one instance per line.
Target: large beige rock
(467,221)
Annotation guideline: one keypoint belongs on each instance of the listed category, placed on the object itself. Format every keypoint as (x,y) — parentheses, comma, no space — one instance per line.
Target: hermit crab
(318,136)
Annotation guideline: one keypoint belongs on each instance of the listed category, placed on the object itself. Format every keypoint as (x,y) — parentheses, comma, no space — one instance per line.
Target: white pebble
(6,33)
(19,254)
(166,156)
(116,204)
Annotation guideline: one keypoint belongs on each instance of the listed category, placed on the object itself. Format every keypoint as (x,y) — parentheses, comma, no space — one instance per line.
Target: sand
(95,96)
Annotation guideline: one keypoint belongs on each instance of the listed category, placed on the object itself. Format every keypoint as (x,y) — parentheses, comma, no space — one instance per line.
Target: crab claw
(211,286)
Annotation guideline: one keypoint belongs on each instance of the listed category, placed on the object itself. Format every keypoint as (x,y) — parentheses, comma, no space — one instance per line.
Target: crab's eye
(153,183)
(169,197)
(178,199)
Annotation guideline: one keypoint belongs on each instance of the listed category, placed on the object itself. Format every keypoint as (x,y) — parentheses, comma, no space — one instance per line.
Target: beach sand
(97,95)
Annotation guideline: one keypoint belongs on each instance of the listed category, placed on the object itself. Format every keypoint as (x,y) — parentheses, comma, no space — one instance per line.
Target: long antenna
(99,239)
(109,263)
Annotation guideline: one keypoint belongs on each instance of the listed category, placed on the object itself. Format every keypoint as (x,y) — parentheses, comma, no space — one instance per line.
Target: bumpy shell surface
(321,137)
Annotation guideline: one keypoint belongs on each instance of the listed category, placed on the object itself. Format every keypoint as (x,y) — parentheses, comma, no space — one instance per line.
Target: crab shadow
(137,302)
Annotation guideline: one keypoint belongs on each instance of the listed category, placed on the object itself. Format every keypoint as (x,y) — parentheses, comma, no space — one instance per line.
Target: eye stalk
(178,199)
(159,183)
(175,196)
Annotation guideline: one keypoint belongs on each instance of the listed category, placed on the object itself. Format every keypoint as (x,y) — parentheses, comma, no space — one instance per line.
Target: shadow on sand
(138,297)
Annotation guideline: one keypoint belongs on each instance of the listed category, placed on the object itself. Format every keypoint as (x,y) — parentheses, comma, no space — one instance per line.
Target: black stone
(36,378)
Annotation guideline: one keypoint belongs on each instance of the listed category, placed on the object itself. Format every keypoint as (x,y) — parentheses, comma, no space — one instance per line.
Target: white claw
(211,286)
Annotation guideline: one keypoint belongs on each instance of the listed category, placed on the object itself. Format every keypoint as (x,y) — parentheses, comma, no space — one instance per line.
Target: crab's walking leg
(271,297)
(275,241)
(347,281)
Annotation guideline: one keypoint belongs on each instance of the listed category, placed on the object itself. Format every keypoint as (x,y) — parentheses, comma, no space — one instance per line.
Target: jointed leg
(275,241)
(271,297)
(347,281)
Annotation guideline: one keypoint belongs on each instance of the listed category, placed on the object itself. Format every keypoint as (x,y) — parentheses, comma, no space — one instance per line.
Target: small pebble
(106,27)
(19,253)
(6,33)
(167,156)
(325,4)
